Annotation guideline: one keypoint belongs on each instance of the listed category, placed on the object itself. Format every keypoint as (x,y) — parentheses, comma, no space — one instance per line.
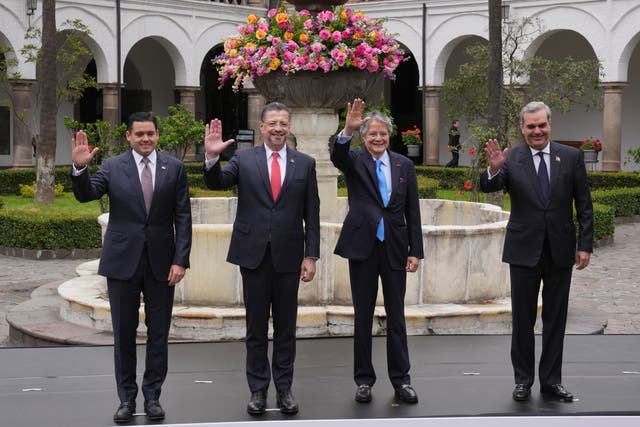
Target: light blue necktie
(382,186)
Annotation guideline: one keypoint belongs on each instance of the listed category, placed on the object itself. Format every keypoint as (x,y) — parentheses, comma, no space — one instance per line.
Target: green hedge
(624,201)
(610,180)
(49,232)
(10,179)
(604,221)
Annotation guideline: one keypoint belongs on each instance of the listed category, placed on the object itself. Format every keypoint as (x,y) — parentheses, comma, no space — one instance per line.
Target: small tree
(60,56)
(560,84)
(179,130)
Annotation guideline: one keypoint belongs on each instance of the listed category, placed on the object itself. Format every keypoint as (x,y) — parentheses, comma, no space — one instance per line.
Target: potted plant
(272,50)
(590,148)
(412,139)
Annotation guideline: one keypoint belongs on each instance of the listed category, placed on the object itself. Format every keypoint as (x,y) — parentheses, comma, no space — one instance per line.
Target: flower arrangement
(591,144)
(340,38)
(411,136)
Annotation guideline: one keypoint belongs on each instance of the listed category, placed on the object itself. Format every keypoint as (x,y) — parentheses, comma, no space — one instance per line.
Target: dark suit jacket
(531,217)
(292,221)
(403,228)
(167,228)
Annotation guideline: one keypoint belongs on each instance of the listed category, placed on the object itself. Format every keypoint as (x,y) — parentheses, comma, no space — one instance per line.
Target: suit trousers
(364,289)
(124,298)
(525,286)
(265,289)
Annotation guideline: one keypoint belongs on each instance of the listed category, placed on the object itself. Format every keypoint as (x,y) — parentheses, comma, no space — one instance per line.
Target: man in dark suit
(382,237)
(145,250)
(275,241)
(454,144)
(544,180)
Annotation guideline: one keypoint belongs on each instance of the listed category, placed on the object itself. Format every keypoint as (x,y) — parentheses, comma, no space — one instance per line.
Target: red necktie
(276,184)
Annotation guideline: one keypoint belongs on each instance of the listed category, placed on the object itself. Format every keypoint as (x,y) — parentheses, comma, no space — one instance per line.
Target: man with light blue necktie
(382,237)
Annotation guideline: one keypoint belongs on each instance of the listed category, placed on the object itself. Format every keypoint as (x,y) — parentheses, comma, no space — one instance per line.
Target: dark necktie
(276,182)
(147,183)
(382,186)
(543,177)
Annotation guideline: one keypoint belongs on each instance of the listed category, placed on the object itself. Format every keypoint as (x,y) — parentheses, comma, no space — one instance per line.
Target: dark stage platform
(461,381)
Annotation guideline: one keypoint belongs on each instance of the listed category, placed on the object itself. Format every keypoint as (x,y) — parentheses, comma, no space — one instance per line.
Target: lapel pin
(164,167)
(557,158)
(397,165)
(292,161)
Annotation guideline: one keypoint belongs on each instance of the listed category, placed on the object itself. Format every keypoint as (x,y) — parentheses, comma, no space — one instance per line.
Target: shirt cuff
(343,139)
(75,171)
(489,176)
(208,163)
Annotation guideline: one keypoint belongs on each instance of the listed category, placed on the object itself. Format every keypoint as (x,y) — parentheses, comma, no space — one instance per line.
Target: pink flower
(324,34)
(336,36)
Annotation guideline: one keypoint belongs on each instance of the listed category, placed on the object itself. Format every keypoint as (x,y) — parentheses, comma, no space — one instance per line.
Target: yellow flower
(343,15)
(250,45)
(303,38)
(252,19)
(232,43)
(260,34)
(281,17)
(274,64)
(232,53)
(360,14)
(288,36)
(373,36)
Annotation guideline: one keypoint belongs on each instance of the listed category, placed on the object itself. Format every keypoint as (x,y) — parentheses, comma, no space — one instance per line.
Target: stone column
(188,99)
(255,104)
(612,126)
(110,103)
(313,127)
(22,150)
(432,119)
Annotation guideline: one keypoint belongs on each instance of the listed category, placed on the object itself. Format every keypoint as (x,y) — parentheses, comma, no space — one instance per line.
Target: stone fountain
(461,287)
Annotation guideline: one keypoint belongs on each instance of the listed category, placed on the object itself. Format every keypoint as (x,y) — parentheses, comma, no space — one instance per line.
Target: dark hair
(141,116)
(454,122)
(274,106)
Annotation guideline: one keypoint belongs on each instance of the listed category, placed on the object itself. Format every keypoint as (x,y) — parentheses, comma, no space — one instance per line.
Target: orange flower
(274,64)
(288,36)
(281,18)
(260,34)
(252,19)
(459,193)
(303,38)
(343,15)
(472,151)
(467,185)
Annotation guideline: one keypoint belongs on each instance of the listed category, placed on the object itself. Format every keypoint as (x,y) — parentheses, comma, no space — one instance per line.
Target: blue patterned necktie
(543,177)
(382,186)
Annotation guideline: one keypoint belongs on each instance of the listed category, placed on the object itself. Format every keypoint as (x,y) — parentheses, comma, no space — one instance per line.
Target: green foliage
(10,179)
(29,191)
(70,231)
(633,155)
(561,84)
(604,221)
(624,201)
(102,134)
(179,130)
(427,187)
(608,180)
(8,64)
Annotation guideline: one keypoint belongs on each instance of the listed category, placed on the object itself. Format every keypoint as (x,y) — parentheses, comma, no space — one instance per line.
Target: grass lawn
(62,205)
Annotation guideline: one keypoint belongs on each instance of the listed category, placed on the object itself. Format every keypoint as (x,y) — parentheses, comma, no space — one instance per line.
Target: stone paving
(610,286)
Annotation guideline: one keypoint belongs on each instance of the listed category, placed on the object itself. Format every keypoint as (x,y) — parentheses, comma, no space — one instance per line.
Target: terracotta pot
(315,89)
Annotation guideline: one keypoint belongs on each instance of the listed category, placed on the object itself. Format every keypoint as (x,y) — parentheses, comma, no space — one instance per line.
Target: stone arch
(12,36)
(157,27)
(446,37)
(625,39)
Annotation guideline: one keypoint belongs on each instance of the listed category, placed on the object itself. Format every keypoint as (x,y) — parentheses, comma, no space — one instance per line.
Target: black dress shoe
(125,412)
(286,402)
(154,410)
(557,392)
(258,402)
(406,394)
(363,393)
(521,392)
